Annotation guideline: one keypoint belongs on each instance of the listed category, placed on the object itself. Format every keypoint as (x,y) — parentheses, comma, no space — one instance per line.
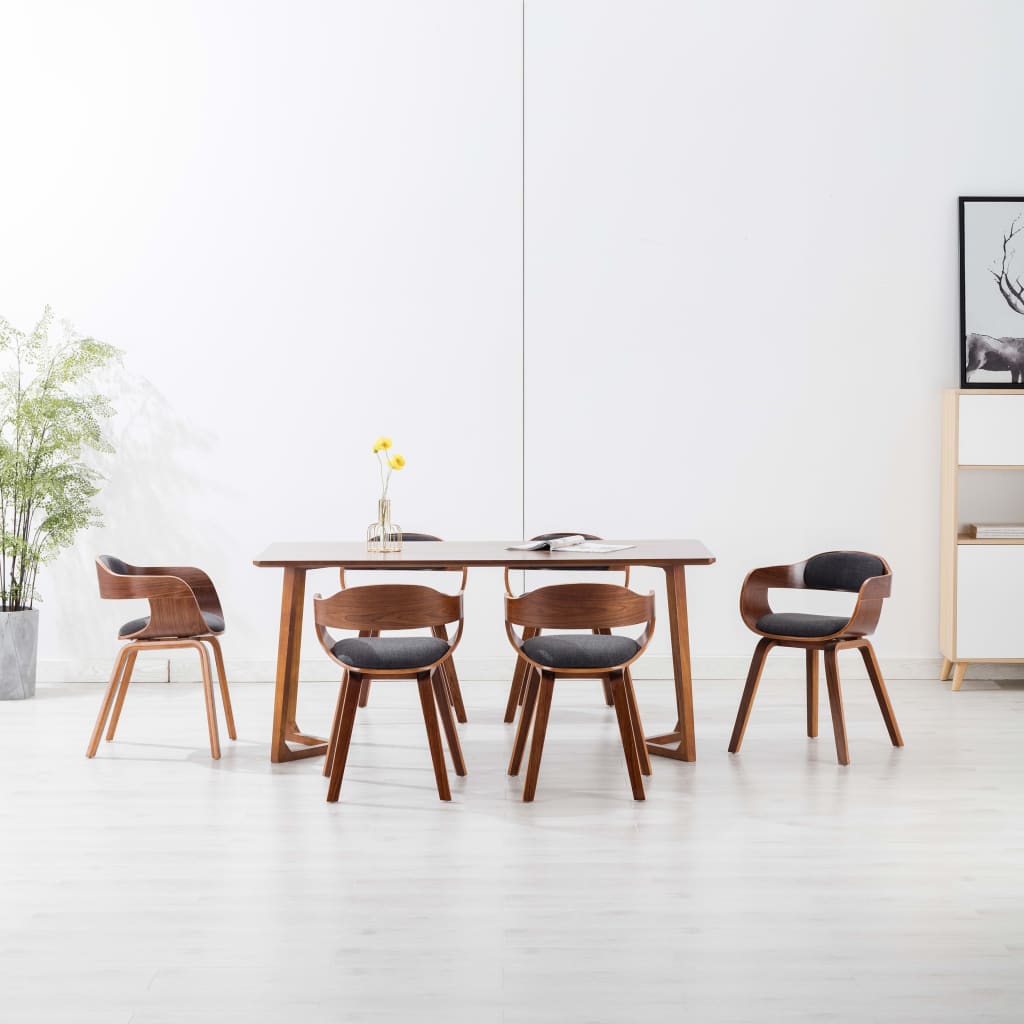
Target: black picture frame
(991,292)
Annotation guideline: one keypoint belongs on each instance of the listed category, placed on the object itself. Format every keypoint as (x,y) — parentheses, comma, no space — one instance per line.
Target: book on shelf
(996,531)
(575,542)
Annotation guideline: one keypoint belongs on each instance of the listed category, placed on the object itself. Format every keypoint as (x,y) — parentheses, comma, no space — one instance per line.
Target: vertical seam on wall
(522,58)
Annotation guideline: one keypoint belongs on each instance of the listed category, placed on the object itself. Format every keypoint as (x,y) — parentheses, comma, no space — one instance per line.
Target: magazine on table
(575,542)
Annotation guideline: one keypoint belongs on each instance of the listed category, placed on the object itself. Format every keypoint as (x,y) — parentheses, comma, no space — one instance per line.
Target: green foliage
(49,417)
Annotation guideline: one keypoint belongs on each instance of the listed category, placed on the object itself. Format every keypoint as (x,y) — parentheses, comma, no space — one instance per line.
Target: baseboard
(780,666)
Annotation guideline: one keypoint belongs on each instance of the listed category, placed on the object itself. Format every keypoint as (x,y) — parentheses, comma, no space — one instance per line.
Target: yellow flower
(397,461)
(382,444)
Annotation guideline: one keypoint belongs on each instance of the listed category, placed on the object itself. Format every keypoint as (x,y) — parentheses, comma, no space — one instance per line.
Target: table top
(450,553)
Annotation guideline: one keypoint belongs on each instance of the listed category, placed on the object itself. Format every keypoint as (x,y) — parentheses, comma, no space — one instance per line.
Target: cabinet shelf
(962,539)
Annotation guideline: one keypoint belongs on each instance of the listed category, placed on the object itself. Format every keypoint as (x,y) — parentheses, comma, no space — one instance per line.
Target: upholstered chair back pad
(841,570)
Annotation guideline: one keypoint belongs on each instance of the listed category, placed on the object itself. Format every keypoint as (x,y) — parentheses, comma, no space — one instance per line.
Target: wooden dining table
(297,558)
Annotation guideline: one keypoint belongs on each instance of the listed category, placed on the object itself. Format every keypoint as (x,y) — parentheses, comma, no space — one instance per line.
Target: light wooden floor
(153,885)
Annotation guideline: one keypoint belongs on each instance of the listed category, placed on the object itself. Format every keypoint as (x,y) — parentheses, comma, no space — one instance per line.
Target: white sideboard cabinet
(982,581)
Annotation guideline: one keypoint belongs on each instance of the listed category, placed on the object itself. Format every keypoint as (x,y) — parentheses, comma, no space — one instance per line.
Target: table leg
(679,744)
(287,689)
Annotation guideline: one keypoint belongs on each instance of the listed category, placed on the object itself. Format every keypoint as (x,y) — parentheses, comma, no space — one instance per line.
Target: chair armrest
(198,582)
(173,608)
(754,592)
(643,640)
(326,640)
(868,609)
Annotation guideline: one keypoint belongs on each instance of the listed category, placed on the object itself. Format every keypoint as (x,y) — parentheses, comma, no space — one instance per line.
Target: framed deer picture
(992,292)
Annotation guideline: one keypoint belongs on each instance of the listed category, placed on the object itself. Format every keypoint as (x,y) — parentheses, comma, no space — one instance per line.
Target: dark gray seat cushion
(214,622)
(370,652)
(580,650)
(801,624)
(841,570)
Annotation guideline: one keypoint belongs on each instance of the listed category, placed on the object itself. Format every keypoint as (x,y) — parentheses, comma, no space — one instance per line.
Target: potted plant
(49,417)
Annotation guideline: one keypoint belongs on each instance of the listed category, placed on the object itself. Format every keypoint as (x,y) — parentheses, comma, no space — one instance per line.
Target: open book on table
(576,542)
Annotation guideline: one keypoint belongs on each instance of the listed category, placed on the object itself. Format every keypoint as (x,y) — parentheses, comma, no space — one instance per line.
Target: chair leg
(455,690)
(122,692)
(451,679)
(433,735)
(520,678)
(225,697)
(343,736)
(622,713)
(540,728)
(881,694)
(606,681)
(638,729)
(516,690)
(812,693)
(211,708)
(332,740)
(108,700)
(606,687)
(835,704)
(532,688)
(444,711)
(746,701)
(364,692)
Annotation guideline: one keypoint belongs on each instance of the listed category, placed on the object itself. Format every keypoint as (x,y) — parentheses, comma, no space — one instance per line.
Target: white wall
(741,236)
(302,223)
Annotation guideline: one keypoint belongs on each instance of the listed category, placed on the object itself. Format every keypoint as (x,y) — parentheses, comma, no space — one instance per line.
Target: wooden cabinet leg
(959,671)
(947,667)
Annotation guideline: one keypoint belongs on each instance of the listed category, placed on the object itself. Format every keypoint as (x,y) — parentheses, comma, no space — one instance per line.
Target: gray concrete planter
(19,642)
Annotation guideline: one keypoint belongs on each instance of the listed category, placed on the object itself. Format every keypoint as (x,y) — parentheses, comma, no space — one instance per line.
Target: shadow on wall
(151,505)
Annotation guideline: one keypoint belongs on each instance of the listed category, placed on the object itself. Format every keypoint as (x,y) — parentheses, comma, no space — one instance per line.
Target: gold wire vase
(383,535)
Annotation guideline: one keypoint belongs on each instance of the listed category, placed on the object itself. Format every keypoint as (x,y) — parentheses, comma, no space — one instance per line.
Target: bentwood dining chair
(184,611)
(855,572)
(551,656)
(369,611)
(517,691)
(449,676)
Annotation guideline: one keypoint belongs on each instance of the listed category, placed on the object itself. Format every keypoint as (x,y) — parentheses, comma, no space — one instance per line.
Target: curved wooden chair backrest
(413,538)
(568,568)
(579,606)
(177,596)
(387,606)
